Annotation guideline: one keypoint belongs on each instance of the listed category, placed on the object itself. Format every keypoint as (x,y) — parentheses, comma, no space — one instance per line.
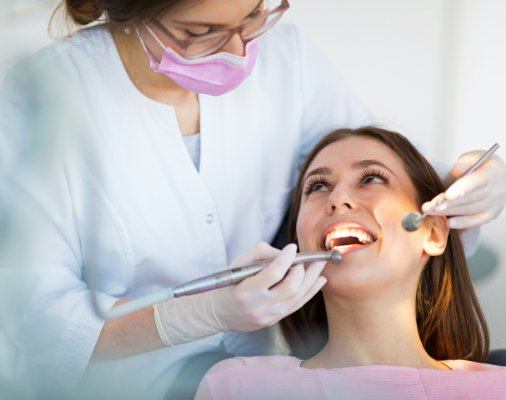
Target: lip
(353,247)
(343,225)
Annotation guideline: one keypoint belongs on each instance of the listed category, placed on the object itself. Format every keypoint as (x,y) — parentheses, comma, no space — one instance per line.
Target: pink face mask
(215,74)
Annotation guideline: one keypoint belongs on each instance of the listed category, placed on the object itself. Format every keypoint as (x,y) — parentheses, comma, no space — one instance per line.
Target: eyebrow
(319,171)
(363,164)
(194,23)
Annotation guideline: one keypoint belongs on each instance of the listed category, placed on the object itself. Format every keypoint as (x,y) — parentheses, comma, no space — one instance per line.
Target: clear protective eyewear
(270,12)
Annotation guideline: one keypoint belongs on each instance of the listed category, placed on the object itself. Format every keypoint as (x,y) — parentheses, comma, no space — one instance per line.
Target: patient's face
(355,202)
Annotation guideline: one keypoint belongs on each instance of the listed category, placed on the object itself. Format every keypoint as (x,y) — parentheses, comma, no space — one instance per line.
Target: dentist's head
(204,46)
(352,193)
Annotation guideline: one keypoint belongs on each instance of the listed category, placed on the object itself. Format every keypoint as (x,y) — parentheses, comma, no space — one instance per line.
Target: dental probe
(412,221)
(235,275)
(210,282)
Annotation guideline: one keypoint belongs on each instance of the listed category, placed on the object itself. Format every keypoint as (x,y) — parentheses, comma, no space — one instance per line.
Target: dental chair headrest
(497,357)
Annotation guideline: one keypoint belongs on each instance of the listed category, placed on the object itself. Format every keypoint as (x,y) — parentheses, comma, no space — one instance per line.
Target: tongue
(343,241)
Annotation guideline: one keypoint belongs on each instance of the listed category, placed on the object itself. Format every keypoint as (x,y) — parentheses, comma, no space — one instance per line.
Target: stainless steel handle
(217,280)
(238,274)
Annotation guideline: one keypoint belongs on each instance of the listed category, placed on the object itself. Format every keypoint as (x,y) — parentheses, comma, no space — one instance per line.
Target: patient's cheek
(393,208)
(400,244)
(304,233)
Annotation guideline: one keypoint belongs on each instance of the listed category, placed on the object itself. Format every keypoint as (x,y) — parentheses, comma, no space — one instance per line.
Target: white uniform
(134,206)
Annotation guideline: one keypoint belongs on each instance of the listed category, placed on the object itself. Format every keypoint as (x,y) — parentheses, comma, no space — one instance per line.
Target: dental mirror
(412,221)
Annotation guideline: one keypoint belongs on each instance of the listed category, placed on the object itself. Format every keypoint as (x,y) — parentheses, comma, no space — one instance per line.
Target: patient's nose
(339,203)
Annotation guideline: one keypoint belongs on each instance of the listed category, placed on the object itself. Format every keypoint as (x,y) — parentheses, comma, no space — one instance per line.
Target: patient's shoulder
(261,361)
(218,379)
(230,363)
(464,365)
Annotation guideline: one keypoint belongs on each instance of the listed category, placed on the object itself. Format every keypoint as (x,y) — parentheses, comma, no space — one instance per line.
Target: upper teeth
(361,235)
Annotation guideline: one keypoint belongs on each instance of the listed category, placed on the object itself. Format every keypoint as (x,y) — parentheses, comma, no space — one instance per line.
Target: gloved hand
(255,303)
(474,199)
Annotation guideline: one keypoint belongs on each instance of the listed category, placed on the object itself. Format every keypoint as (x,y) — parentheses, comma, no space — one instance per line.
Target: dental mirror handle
(412,221)
(235,275)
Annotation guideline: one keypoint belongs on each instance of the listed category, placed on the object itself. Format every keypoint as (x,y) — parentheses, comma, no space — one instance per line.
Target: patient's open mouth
(346,239)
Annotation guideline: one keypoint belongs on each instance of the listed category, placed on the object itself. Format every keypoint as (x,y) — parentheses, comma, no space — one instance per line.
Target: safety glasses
(263,18)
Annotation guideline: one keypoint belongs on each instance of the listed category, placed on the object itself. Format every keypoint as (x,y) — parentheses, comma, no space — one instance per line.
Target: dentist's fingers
(291,284)
(464,162)
(261,251)
(315,288)
(468,184)
(470,221)
(474,197)
(313,271)
(309,275)
(276,270)
(460,210)
(312,274)
(430,204)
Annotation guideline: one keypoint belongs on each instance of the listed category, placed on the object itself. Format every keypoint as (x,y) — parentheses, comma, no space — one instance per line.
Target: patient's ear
(437,235)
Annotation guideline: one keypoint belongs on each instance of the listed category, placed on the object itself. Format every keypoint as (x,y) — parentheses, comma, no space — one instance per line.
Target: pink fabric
(214,75)
(279,377)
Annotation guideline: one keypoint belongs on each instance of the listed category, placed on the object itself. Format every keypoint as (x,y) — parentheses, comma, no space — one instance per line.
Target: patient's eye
(316,184)
(375,176)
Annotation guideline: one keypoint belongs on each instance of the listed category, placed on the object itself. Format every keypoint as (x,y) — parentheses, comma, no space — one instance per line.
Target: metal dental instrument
(235,275)
(214,281)
(412,221)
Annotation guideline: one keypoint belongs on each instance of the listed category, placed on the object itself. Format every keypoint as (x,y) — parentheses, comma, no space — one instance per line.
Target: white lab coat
(112,187)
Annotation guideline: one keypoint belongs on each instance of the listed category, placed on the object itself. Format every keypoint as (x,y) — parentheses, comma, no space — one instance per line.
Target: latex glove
(474,199)
(255,303)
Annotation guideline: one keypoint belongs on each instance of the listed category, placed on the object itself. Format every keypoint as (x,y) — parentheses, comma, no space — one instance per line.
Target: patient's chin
(358,280)
(354,291)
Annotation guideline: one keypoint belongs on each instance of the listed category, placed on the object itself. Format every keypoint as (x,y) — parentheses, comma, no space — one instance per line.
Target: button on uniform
(209,218)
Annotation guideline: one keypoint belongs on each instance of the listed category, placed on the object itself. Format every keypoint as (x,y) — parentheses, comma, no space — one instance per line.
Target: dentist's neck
(372,332)
(153,85)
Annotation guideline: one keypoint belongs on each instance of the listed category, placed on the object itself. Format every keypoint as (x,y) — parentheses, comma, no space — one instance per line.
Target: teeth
(361,235)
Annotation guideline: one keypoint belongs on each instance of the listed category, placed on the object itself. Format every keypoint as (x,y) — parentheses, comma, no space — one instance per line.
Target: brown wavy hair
(450,321)
(115,12)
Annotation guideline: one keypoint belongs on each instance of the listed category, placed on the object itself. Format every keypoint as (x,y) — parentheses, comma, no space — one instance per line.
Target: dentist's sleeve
(45,306)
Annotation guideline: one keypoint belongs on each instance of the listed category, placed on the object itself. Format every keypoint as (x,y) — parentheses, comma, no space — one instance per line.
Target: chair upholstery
(497,357)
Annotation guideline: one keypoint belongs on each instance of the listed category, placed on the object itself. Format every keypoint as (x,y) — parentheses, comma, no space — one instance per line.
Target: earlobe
(437,236)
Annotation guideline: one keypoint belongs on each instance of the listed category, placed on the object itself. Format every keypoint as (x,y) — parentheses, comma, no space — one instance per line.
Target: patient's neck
(371,332)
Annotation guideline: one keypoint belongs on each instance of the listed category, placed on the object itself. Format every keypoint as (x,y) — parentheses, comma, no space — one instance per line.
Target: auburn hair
(450,321)
(116,12)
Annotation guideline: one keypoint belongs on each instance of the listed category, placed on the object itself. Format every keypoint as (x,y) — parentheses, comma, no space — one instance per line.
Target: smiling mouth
(346,240)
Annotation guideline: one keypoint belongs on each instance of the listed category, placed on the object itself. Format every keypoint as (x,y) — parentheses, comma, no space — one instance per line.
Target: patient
(398,317)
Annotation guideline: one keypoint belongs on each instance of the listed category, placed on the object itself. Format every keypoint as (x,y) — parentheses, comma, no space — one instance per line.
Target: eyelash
(375,172)
(313,181)
(368,173)
(254,14)
(192,34)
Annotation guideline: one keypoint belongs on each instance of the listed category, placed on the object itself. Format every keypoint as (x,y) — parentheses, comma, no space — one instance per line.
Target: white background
(434,70)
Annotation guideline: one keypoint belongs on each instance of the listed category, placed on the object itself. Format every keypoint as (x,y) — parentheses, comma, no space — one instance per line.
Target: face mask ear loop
(155,36)
(141,40)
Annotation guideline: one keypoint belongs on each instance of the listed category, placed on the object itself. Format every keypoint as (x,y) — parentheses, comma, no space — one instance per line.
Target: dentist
(197,114)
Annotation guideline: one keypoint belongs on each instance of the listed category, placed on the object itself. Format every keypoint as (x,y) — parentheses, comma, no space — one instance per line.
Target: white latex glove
(255,303)
(474,199)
